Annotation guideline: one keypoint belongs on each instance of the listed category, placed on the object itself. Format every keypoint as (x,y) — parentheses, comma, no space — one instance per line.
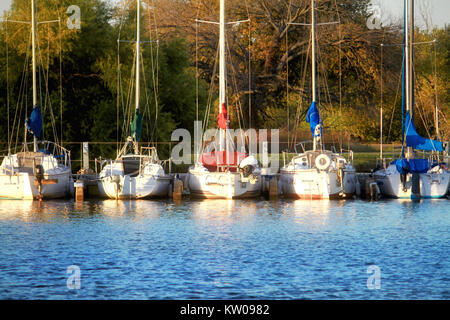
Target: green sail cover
(136,126)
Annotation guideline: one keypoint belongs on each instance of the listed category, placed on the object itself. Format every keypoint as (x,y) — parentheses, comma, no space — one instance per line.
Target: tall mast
(138,56)
(138,40)
(313,51)
(33,58)
(407,70)
(222,71)
(411,57)
(313,66)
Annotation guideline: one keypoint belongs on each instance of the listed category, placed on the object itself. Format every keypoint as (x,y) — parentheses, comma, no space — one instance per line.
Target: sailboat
(134,174)
(224,173)
(410,177)
(45,172)
(317,173)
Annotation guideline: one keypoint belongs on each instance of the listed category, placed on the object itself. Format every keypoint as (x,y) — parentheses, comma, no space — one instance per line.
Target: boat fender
(323,162)
(247,170)
(39,172)
(115,178)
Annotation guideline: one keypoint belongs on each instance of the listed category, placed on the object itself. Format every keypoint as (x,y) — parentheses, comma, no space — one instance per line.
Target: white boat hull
(431,185)
(25,186)
(139,187)
(127,187)
(314,184)
(223,185)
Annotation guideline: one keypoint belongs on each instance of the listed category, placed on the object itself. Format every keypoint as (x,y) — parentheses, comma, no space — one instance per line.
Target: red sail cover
(222,118)
(211,159)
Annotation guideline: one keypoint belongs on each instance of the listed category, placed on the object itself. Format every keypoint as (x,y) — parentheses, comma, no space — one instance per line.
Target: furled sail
(313,117)
(34,123)
(414,140)
(136,126)
(222,118)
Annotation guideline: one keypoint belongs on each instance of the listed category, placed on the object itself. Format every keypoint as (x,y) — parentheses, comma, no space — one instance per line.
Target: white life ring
(322,162)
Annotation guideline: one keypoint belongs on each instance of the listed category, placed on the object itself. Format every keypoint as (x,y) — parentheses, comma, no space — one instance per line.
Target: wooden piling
(79,190)
(273,188)
(177,192)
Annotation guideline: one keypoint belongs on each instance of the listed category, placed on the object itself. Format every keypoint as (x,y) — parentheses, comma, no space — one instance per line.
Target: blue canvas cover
(419,165)
(414,140)
(34,123)
(313,117)
(412,165)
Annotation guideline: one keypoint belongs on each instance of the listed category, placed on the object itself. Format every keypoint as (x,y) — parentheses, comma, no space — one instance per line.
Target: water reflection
(223,249)
(34,211)
(221,214)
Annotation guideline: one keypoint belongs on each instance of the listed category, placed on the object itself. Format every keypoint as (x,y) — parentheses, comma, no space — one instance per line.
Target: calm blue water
(225,249)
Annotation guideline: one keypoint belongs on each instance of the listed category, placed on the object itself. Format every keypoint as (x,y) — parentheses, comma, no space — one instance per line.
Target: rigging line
(381,101)
(209,103)
(304,59)
(60,75)
(47,103)
(340,66)
(22,93)
(305,64)
(128,106)
(41,69)
(240,115)
(22,84)
(39,66)
(287,75)
(154,66)
(7,82)
(210,89)
(196,68)
(156,86)
(120,94)
(436,93)
(196,75)
(233,79)
(60,80)
(147,104)
(324,73)
(249,68)
(395,104)
(157,48)
(422,117)
(287,80)
(119,86)
(48,65)
(209,99)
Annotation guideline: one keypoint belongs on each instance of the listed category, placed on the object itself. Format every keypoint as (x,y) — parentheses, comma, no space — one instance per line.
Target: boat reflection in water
(34,211)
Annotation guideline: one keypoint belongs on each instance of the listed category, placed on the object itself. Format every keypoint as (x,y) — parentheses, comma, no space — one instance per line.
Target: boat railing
(383,162)
(289,156)
(152,153)
(348,153)
(167,162)
(29,159)
(61,154)
(302,144)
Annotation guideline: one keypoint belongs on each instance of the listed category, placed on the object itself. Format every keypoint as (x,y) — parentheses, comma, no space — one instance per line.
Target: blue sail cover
(412,165)
(414,140)
(313,117)
(34,123)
